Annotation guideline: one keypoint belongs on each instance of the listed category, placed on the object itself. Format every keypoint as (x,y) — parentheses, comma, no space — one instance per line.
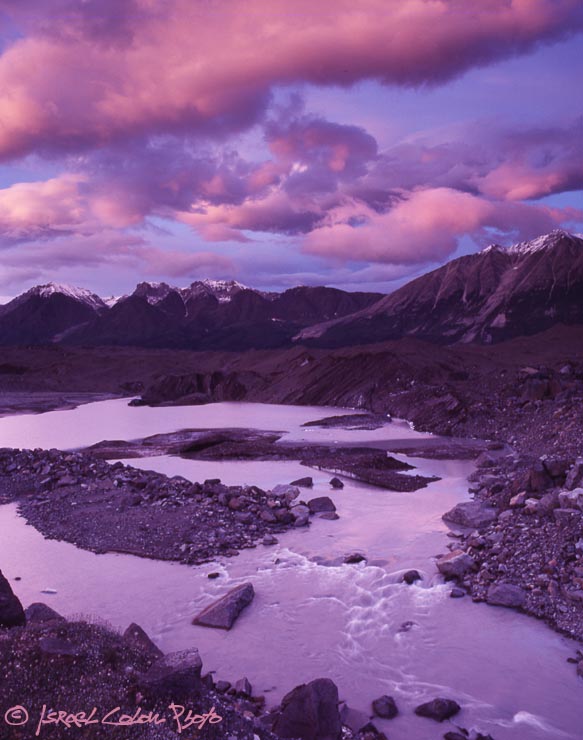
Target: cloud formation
(152,113)
(87,74)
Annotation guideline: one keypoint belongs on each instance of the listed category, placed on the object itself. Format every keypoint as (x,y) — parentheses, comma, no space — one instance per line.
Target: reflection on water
(509,672)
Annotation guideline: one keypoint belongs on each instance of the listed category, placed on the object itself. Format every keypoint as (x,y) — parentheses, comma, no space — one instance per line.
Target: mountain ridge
(485,297)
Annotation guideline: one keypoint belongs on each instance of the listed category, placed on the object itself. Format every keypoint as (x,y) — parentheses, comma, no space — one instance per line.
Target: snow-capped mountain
(490,296)
(486,297)
(82,295)
(47,311)
(208,314)
(222,290)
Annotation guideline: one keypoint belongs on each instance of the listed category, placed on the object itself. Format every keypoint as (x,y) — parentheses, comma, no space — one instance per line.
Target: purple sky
(281,142)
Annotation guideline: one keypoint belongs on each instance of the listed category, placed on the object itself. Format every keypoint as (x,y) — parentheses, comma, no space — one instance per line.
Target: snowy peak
(545,242)
(153,292)
(82,295)
(222,290)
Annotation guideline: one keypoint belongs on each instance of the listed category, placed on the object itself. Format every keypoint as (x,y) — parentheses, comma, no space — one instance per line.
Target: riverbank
(106,507)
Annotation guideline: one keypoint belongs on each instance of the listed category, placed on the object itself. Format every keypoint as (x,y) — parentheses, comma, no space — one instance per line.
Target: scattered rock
(137,637)
(306,482)
(506,594)
(455,565)
(354,557)
(175,675)
(243,687)
(224,612)
(385,707)
(213,575)
(310,712)
(411,576)
(336,483)
(269,539)
(330,515)
(38,613)
(321,504)
(457,593)
(11,611)
(438,709)
(472,514)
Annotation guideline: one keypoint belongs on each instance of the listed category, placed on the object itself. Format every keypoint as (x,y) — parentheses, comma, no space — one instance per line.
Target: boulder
(438,709)
(455,564)
(306,482)
(354,557)
(137,637)
(224,612)
(506,594)
(175,675)
(336,483)
(385,707)
(38,613)
(11,611)
(310,712)
(538,478)
(289,493)
(571,499)
(243,687)
(410,577)
(320,504)
(575,476)
(472,514)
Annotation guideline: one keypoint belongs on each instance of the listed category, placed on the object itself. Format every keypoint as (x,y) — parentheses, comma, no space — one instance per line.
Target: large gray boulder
(473,514)
(310,712)
(223,613)
(438,709)
(38,613)
(138,638)
(321,503)
(506,594)
(11,611)
(175,675)
(455,565)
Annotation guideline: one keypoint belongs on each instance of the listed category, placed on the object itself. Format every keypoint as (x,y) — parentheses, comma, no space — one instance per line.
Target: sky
(352,143)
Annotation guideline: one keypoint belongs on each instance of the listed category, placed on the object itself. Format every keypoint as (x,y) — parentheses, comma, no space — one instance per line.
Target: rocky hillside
(486,297)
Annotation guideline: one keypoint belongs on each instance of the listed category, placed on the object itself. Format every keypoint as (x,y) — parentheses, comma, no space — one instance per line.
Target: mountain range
(487,297)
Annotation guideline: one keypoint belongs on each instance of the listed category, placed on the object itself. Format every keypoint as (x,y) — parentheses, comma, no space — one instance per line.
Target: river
(312,616)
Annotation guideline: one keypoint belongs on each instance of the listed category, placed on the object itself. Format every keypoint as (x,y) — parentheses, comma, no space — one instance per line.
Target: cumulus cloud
(92,78)
(425,226)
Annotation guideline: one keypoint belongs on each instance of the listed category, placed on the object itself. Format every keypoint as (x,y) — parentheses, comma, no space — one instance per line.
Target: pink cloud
(424,227)
(76,82)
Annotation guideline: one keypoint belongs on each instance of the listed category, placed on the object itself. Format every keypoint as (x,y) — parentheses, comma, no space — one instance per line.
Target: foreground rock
(88,665)
(310,712)
(176,676)
(224,612)
(472,514)
(11,611)
(506,594)
(385,707)
(438,709)
(38,613)
(455,565)
(136,636)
